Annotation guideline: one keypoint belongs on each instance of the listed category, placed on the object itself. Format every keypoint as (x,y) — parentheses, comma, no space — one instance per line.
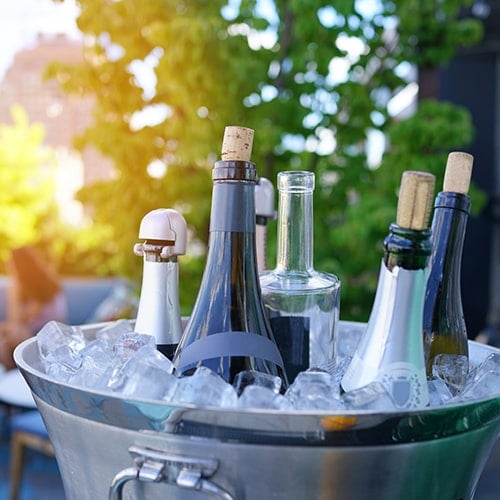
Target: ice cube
(55,334)
(148,355)
(338,369)
(205,388)
(348,337)
(373,396)
(62,362)
(313,390)
(97,354)
(96,358)
(252,377)
(150,382)
(111,332)
(491,363)
(128,343)
(453,369)
(439,392)
(485,385)
(111,379)
(85,377)
(258,396)
(148,374)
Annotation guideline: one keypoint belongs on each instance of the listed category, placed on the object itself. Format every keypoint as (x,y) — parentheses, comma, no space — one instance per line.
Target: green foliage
(314,95)
(27,180)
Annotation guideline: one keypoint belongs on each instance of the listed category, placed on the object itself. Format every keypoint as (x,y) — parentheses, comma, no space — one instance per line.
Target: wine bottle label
(227,344)
(292,336)
(406,384)
(223,217)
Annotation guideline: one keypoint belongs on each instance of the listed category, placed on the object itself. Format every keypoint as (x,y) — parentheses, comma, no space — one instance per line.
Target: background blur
(109,109)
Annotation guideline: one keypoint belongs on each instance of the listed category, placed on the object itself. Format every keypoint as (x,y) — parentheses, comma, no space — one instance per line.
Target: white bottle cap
(165,224)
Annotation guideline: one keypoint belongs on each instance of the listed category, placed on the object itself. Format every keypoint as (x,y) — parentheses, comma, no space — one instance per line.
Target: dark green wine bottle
(445,330)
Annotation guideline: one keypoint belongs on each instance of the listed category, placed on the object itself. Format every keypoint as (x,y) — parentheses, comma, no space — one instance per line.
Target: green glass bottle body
(445,330)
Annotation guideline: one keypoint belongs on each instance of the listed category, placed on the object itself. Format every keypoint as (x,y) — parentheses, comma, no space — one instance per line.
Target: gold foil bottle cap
(237,143)
(416,196)
(458,172)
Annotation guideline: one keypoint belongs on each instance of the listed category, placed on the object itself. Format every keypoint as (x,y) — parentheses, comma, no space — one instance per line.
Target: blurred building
(63,116)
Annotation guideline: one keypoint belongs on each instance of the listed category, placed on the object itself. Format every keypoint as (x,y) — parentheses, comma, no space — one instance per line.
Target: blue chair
(27,431)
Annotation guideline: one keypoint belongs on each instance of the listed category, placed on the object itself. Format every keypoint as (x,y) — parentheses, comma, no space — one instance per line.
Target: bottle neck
(295,231)
(451,212)
(407,248)
(233,197)
(159,312)
(232,234)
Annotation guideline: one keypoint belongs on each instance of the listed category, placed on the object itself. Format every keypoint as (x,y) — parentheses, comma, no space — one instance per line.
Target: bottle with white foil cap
(164,232)
(391,351)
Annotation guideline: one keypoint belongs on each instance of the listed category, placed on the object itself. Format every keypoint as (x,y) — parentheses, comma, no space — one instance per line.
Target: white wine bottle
(164,232)
(391,351)
(228,330)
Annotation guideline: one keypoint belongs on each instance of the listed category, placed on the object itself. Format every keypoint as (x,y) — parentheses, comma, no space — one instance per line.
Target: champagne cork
(458,172)
(237,143)
(416,196)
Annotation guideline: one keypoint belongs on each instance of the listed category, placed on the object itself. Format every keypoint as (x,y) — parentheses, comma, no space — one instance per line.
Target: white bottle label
(406,385)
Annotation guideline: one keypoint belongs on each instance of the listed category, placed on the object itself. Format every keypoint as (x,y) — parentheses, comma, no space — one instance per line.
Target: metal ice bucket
(112,447)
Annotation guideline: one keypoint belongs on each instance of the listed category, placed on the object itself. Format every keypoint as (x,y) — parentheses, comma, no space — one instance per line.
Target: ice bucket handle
(156,466)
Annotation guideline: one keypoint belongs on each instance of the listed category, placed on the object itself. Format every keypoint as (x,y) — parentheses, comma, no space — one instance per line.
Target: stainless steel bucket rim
(311,428)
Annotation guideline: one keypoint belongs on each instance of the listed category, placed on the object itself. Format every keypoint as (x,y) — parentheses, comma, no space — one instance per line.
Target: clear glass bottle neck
(295,226)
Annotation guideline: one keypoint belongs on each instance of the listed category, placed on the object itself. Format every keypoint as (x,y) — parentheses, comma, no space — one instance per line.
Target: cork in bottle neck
(235,164)
(415,200)
(458,172)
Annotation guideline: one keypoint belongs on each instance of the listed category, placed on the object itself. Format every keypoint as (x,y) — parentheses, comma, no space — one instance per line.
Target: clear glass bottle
(445,331)
(391,350)
(302,303)
(158,314)
(228,330)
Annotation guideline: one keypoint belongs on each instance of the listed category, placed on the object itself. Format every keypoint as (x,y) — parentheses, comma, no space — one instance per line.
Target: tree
(314,80)
(27,179)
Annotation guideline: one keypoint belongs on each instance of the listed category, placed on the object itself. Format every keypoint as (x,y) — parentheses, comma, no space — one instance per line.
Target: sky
(22,20)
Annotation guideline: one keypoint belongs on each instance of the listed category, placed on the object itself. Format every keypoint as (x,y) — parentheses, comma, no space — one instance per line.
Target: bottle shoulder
(297,280)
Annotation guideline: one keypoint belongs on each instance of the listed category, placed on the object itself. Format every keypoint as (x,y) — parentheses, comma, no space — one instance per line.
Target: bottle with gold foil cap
(445,331)
(391,350)
(228,330)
